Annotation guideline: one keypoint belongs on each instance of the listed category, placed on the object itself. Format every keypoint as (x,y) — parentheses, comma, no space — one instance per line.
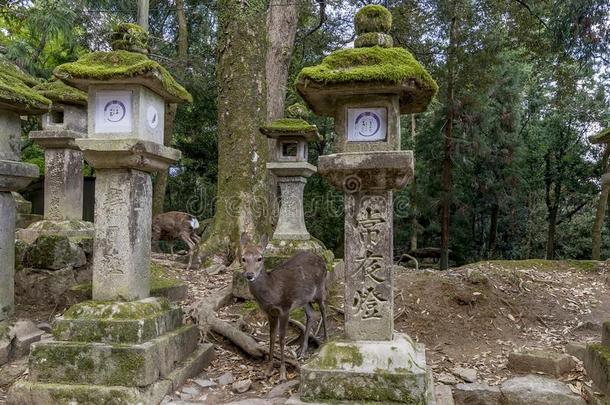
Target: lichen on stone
(601,137)
(372,18)
(59,92)
(334,355)
(100,66)
(100,310)
(297,110)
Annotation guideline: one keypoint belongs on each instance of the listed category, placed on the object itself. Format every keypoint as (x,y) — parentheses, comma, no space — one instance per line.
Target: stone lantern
(366,89)
(292,170)
(16,99)
(124,346)
(63,187)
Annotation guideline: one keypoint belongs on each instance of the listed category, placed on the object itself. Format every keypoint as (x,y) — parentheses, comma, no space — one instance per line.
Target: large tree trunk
(182,32)
(552,230)
(448,151)
(493,230)
(241,204)
(143,6)
(282,21)
(414,223)
(601,210)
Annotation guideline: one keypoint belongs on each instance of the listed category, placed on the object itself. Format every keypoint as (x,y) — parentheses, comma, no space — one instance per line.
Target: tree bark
(493,230)
(160,185)
(414,223)
(182,31)
(242,195)
(601,210)
(448,150)
(143,6)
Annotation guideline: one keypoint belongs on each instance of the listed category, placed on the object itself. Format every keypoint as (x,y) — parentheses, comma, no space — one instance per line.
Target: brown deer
(173,225)
(297,283)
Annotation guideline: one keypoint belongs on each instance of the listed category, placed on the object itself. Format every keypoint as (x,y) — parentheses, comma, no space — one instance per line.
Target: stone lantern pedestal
(122,347)
(371,363)
(16,99)
(63,186)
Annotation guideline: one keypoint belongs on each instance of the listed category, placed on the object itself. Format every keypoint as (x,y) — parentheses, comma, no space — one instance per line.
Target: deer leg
(283,326)
(171,247)
(322,305)
(272,332)
(191,245)
(309,315)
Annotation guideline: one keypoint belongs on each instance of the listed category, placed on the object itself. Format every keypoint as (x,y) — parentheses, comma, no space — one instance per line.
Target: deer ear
(244,239)
(264,241)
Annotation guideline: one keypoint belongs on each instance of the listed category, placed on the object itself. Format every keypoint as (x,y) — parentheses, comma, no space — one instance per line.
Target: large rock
(597,364)
(537,390)
(24,333)
(54,252)
(476,394)
(543,361)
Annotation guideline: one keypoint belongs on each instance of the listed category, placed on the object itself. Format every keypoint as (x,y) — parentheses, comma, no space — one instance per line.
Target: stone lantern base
(113,352)
(375,372)
(74,229)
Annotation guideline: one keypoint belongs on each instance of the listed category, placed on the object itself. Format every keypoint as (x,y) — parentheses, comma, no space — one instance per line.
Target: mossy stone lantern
(61,127)
(123,347)
(16,99)
(127,93)
(366,89)
(292,170)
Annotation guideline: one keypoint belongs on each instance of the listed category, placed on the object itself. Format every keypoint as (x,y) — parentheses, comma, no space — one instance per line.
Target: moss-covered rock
(54,252)
(15,94)
(372,18)
(112,310)
(374,39)
(297,110)
(129,37)
(60,93)
(120,66)
(291,127)
(9,69)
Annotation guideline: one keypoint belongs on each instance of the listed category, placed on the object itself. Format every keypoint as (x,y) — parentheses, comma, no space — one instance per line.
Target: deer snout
(250,276)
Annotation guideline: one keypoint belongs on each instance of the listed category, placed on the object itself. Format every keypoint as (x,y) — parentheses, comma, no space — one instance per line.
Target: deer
(173,225)
(296,283)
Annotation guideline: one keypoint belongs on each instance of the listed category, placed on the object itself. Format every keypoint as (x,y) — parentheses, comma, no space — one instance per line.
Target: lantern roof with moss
(601,137)
(127,63)
(373,66)
(291,128)
(60,93)
(16,93)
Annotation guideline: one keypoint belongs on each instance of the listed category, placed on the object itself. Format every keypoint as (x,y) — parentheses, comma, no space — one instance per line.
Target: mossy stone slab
(60,93)
(597,364)
(292,128)
(112,364)
(16,93)
(380,372)
(15,176)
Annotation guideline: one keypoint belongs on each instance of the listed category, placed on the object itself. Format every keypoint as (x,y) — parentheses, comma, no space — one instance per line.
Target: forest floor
(471,317)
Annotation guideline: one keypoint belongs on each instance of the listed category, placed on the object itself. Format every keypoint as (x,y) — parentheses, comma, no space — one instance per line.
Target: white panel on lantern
(367,124)
(113,111)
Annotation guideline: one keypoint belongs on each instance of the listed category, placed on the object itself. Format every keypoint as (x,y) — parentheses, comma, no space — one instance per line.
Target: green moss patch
(121,65)
(159,278)
(375,64)
(297,110)
(601,137)
(9,69)
(14,90)
(372,18)
(129,37)
(333,355)
(290,125)
(109,310)
(372,39)
(59,92)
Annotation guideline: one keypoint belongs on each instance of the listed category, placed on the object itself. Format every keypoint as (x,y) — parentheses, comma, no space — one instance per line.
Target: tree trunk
(550,241)
(448,149)
(601,210)
(160,185)
(241,204)
(182,31)
(493,230)
(282,21)
(143,6)
(414,224)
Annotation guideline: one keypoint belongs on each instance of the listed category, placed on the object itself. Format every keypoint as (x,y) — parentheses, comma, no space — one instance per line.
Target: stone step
(597,365)
(544,361)
(78,326)
(537,390)
(606,334)
(37,393)
(117,364)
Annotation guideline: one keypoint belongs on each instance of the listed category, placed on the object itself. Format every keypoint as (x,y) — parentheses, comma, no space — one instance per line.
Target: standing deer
(297,283)
(173,225)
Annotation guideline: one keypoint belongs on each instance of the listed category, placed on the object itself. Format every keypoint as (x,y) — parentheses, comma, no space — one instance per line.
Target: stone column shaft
(7,254)
(10,135)
(121,252)
(369,295)
(63,184)
(291,222)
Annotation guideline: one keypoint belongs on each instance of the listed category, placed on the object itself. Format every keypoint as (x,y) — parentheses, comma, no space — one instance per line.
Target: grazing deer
(173,225)
(297,283)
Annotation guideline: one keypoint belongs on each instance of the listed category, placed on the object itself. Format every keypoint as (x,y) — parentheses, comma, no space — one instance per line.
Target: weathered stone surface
(577,349)
(226,379)
(22,205)
(7,255)
(54,252)
(369,295)
(5,350)
(537,390)
(127,322)
(443,395)
(73,229)
(15,176)
(548,362)
(281,389)
(204,383)
(476,394)
(63,184)
(367,371)
(121,250)
(74,119)
(606,334)
(467,374)
(10,135)
(24,333)
(291,220)
(193,365)
(104,364)
(241,386)
(597,365)
(367,171)
(594,397)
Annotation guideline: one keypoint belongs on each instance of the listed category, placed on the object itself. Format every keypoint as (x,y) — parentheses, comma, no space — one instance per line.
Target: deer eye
(259,259)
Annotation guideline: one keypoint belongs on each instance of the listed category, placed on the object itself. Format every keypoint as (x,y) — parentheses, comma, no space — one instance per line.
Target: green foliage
(373,18)
(59,92)
(120,65)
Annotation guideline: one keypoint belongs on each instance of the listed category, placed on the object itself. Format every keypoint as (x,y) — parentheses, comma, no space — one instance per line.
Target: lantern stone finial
(129,37)
(372,24)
